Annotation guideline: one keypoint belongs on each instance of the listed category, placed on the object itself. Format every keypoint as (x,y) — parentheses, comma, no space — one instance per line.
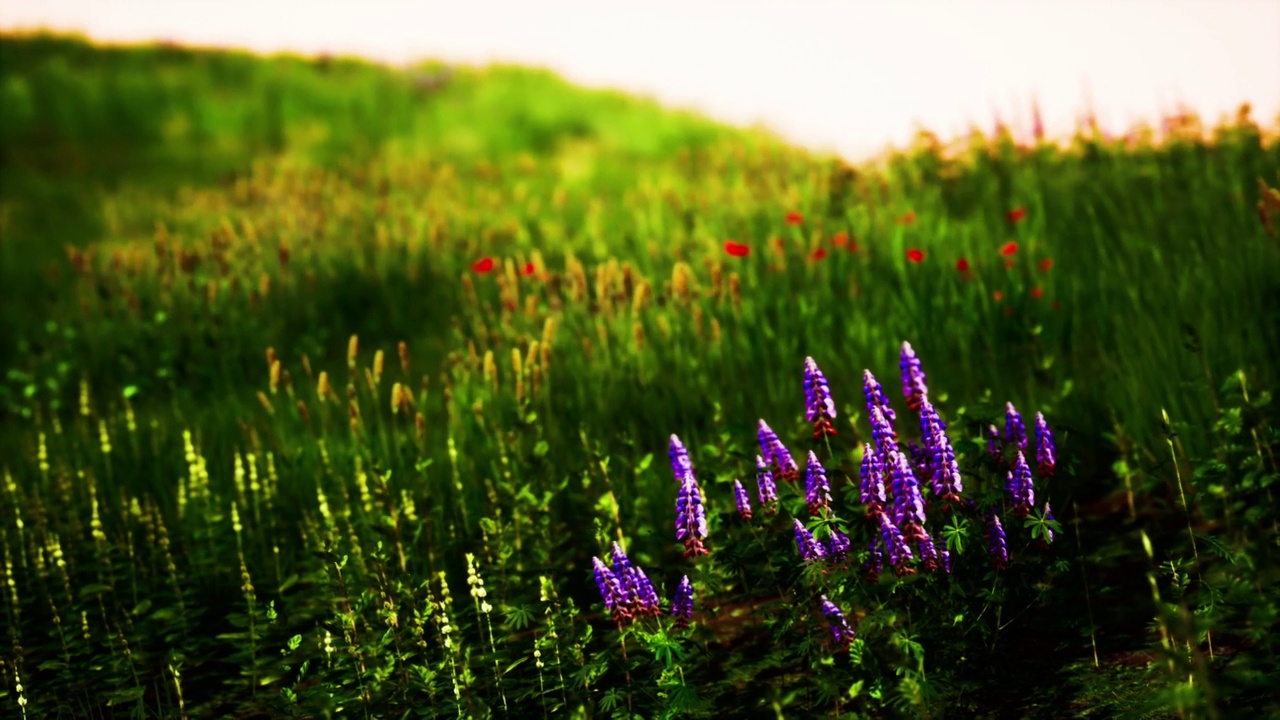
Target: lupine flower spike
(913,380)
(945,556)
(1047,539)
(776,454)
(768,490)
(691,517)
(840,630)
(994,447)
(616,599)
(928,553)
(997,544)
(810,548)
(944,471)
(908,504)
(871,487)
(1046,453)
(1015,433)
(682,604)
(743,502)
(899,553)
(819,408)
(837,545)
(642,598)
(817,489)
(875,560)
(1020,486)
(875,398)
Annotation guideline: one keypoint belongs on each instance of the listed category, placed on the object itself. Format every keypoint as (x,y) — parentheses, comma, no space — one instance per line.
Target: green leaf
(644,463)
(541,449)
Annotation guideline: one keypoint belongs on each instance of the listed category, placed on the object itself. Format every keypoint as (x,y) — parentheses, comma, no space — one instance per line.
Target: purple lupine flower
(776,454)
(928,552)
(645,597)
(995,448)
(817,490)
(871,487)
(945,556)
(1015,433)
(1046,453)
(810,548)
(1020,486)
(691,517)
(819,408)
(875,561)
(883,437)
(919,459)
(616,599)
(681,466)
(997,544)
(744,502)
(840,630)
(838,545)
(899,552)
(875,398)
(913,381)
(944,471)
(768,490)
(908,504)
(682,603)
(623,569)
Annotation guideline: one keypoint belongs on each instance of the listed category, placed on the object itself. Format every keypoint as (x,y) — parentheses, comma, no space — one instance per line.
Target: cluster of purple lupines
(629,594)
(1020,482)
(819,408)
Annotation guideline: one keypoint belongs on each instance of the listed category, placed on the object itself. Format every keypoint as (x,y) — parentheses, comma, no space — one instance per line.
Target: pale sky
(846,76)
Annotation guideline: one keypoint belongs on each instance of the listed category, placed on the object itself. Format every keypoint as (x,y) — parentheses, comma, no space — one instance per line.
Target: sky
(849,76)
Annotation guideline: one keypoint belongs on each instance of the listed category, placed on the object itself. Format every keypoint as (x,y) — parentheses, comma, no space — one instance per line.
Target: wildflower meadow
(338,390)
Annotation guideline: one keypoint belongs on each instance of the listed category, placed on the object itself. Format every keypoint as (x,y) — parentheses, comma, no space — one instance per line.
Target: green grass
(175,220)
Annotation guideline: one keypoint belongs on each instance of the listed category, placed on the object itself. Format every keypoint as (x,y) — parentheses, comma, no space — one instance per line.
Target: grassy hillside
(290,338)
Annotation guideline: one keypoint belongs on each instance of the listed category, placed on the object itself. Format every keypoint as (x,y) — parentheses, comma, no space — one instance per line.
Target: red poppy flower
(483,265)
(529,268)
(1009,248)
(820,253)
(840,239)
(1046,263)
(736,249)
(908,218)
(962,265)
(1037,292)
(1016,215)
(794,218)
(997,295)
(915,255)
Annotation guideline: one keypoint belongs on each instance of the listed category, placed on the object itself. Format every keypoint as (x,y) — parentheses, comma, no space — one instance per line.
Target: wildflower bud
(1046,452)
(840,630)
(810,548)
(768,490)
(913,380)
(875,560)
(820,409)
(817,489)
(616,599)
(1020,486)
(997,544)
(682,604)
(838,545)
(871,486)
(743,502)
(876,399)
(995,447)
(1015,433)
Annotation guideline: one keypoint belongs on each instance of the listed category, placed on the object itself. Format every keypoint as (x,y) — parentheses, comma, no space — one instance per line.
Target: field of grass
(324,383)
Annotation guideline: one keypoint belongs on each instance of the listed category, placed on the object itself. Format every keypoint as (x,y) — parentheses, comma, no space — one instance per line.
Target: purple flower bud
(768,490)
(899,552)
(913,381)
(946,560)
(1020,486)
(994,447)
(681,467)
(776,454)
(682,603)
(871,487)
(646,598)
(1046,453)
(875,561)
(838,545)
(1015,433)
(640,594)
(944,471)
(616,599)
(817,489)
(883,437)
(691,518)
(875,398)
(744,502)
(820,409)
(997,545)
(810,548)
(840,630)
(928,552)
(1047,540)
